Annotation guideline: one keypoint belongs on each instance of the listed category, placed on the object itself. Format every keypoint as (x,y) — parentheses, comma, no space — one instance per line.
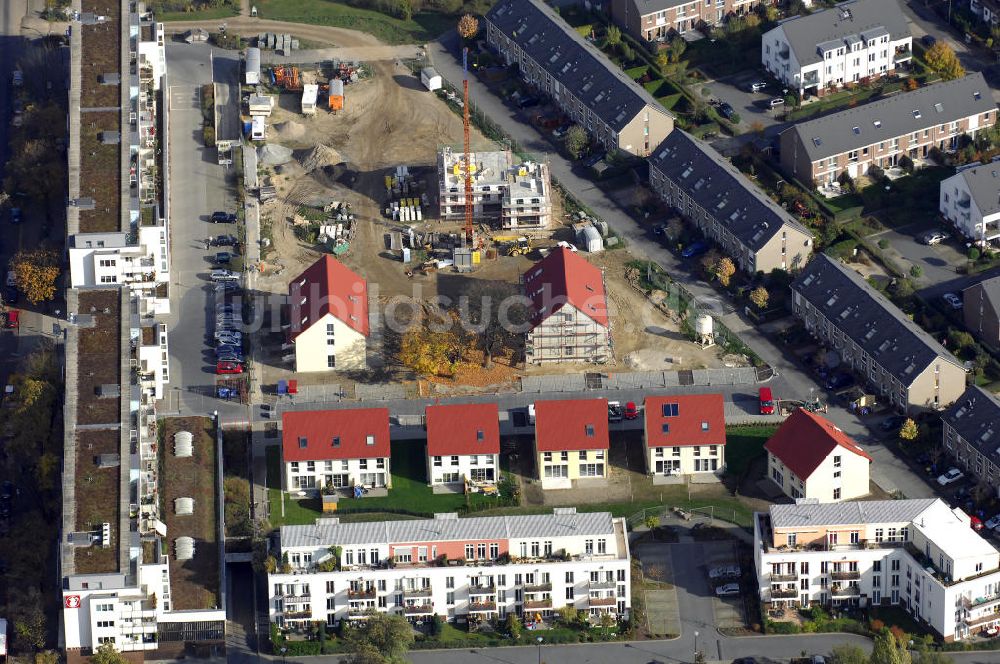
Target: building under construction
(513,195)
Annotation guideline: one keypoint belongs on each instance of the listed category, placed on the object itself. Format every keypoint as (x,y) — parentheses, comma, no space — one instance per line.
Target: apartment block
(880,133)
(508,194)
(809,457)
(551,56)
(981,310)
(463,445)
(919,555)
(335,449)
(656,20)
(886,349)
(571,441)
(972,434)
(987,10)
(473,569)
(711,194)
(569,310)
(328,318)
(850,43)
(684,434)
(970,199)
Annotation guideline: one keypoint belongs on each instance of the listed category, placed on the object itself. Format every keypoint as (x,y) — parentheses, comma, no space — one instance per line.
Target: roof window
(336,441)
(369,439)
(877,123)
(916,113)
(303,442)
(589,430)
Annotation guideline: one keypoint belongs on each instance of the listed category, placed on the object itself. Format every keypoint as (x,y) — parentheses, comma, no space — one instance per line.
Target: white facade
(455,468)
(568,335)
(154,361)
(676,460)
(308,476)
(959,205)
(108,259)
(153,53)
(853,59)
(929,561)
(495,574)
(329,344)
(103,608)
(842,475)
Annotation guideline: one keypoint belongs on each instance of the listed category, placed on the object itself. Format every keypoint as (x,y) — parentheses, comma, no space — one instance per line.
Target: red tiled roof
(564,425)
(565,277)
(700,420)
(805,439)
(455,429)
(319,428)
(328,287)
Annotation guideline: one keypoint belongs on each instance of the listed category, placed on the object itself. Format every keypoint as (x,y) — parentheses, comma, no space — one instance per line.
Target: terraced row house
(656,20)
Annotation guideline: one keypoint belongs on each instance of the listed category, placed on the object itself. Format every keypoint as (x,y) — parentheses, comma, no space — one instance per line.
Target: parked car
(931,238)
(223,241)
(776,102)
(223,258)
(724,572)
(224,275)
(766,399)
(226,287)
(228,337)
(928,40)
(839,381)
(631,411)
(225,308)
(726,111)
(615,411)
(528,101)
(219,217)
(756,86)
(993,522)
(892,423)
(952,475)
(953,300)
(594,159)
(695,249)
(566,245)
(232,359)
(228,349)
(728,590)
(228,368)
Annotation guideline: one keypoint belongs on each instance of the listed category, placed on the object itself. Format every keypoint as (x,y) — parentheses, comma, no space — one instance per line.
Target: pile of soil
(273,154)
(289,131)
(321,156)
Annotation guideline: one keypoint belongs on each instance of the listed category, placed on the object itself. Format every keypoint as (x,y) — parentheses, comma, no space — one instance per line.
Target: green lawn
(743,445)
(409,491)
(200,15)
(421,28)
(833,102)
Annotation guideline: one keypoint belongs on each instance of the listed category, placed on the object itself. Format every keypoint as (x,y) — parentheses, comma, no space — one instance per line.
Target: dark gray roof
(847,21)
(984,185)
(719,187)
(874,323)
(582,69)
(644,7)
(894,116)
(976,418)
(815,515)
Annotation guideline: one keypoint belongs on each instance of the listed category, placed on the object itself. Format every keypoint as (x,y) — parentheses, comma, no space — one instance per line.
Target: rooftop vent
(184,506)
(183,444)
(184,548)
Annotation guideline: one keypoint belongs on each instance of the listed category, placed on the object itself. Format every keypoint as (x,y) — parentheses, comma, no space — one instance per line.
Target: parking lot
(753,107)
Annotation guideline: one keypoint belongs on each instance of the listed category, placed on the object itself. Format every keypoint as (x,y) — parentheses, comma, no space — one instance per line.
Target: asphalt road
(197,187)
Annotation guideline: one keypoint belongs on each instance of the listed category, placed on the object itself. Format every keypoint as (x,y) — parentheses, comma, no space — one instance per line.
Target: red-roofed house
(571,441)
(328,314)
(463,443)
(685,434)
(809,457)
(336,448)
(569,310)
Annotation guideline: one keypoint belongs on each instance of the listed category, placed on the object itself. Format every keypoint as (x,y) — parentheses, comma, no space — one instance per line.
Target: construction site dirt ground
(346,156)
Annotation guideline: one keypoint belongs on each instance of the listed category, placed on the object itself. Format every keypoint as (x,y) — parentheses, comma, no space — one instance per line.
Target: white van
(724,572)
(225,275)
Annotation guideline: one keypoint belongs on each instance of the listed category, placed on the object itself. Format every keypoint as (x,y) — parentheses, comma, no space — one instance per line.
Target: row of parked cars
(227,338)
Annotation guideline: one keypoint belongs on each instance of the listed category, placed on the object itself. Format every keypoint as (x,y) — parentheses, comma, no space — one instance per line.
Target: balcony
(784,577)
(482,590)
(538,587)
(482,607)
(367,593)
(845,576)
(418,609)
(903,55)
(538,604)
(603,601)
(783,593)
(602,585)
(982,620)
(360,614)
(298,615)
(964,202)
(845,591)
(295,597)
(417,592)
(980,601)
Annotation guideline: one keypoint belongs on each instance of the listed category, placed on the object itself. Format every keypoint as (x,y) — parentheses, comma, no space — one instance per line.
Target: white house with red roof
(569,307)
(809,457)
(685,434)
(336,448)
(571,441)
(328,317)
(463,445)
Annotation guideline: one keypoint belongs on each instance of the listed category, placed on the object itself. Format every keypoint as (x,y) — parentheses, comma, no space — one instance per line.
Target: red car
(631,411)
(976,523)
(228,368)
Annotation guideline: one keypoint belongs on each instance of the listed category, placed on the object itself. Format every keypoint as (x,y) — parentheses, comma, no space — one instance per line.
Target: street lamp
(283,650)
(696,645)
(539,639)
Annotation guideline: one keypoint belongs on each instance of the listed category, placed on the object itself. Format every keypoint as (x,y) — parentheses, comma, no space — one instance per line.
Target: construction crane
(468,141)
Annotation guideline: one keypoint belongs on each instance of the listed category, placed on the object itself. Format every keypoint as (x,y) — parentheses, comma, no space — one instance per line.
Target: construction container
(252,67)
(431,79)
(589,238)
(335,95)
(258,129)
(247,127)
(310,92)
(261,105)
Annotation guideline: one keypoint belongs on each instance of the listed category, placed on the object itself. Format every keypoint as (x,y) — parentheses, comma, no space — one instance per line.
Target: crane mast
(467,147)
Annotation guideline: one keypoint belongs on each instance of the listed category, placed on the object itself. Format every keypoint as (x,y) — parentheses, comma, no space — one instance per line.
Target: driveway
(752,107)
(937,262)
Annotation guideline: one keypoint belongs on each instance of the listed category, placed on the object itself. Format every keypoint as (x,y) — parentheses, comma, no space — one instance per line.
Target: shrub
(916,271)
(974,253)
(842,249)
(883,243)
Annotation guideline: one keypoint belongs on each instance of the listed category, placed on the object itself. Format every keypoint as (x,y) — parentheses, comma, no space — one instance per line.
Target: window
(588,547)
(665,427)
(449,582)
(569,593)
(470,551)
(589,430)
(670,410)
(450,598)
(836,461)
(569,577)
(583,455)
(336,441)
(369,440)
(494,550)
(836,494)
(303,442)
(437,461)
(602,546)
(331,361)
